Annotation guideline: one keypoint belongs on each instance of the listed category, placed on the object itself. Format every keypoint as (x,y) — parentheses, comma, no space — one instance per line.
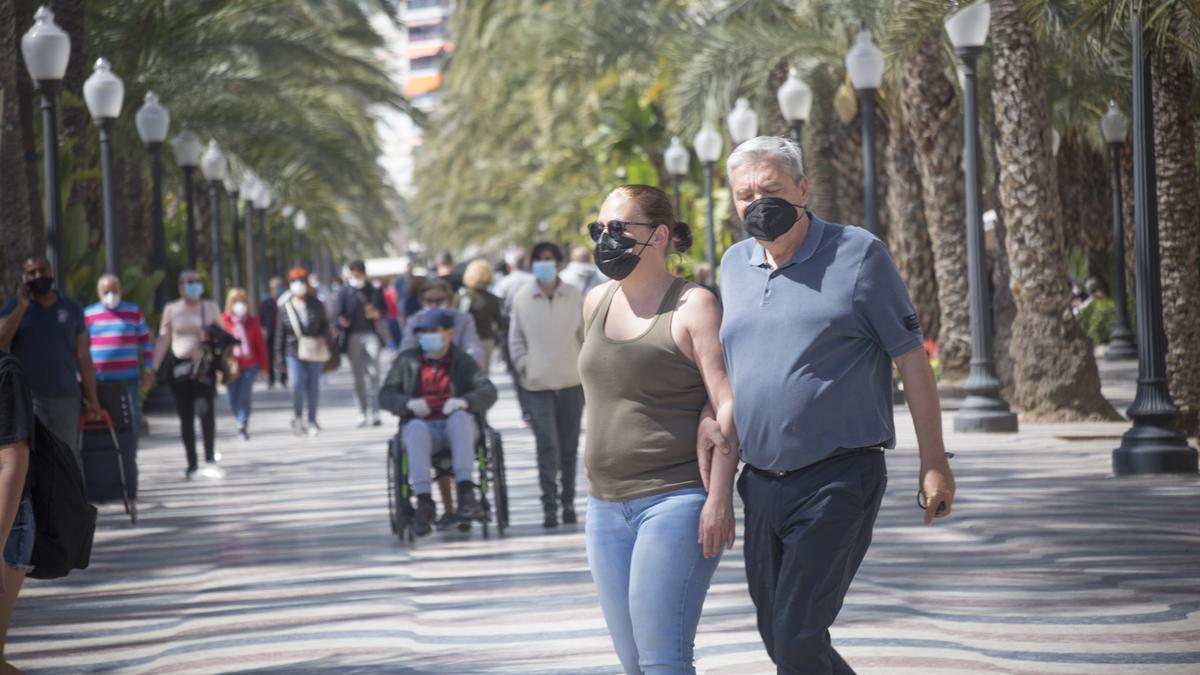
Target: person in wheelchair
(435,390)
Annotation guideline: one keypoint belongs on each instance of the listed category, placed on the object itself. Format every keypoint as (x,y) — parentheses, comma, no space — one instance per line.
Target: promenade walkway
(1050,565)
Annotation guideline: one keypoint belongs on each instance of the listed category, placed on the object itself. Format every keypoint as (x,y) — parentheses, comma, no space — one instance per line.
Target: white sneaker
(298,426)
(313,430)
(363,421)
(212,471)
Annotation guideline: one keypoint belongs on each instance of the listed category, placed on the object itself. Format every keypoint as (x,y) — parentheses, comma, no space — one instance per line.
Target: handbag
(308,348)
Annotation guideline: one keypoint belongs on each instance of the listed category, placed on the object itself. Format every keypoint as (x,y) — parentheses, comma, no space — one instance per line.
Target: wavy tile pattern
(1050,565)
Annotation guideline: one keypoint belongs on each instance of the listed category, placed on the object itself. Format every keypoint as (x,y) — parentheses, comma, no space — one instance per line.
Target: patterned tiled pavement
(1050,565)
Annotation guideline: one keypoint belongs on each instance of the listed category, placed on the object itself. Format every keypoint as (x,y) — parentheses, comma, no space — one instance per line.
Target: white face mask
(111,300)
(298,288)
(239,309)
(356,282)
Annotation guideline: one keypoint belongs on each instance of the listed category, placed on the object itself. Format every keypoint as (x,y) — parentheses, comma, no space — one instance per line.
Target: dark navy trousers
(806,534)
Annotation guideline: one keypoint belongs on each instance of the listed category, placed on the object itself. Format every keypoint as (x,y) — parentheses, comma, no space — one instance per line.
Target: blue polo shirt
(809,346)
(45,346)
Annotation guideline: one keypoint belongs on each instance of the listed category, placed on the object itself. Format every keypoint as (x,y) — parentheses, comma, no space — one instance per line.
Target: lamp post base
(1121,348)
(981,414)
(1154,449)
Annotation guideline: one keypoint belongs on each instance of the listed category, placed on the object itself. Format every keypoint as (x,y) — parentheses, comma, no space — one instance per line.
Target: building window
(417,33)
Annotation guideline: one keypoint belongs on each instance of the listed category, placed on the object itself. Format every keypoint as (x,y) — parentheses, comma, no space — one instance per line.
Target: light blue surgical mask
(193,289)
(431,343)
(544,270)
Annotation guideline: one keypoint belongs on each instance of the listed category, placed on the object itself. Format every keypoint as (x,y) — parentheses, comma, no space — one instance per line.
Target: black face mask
(615,257)
(40,285)
(769,218)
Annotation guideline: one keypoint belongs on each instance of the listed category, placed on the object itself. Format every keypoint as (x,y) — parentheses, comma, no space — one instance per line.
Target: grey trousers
(61,417)
(363,349)
(422,437)
(555,416)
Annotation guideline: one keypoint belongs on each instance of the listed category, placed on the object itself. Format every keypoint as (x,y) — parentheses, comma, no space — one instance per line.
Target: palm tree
(934,121)
(15,221)
(1055,371)
(1175,101)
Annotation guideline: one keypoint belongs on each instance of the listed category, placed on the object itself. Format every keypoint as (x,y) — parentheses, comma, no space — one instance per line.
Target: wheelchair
(489,460)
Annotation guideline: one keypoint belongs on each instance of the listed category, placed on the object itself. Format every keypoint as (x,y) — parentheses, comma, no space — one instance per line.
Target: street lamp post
(262,201)
(676,159)
(104,92)
(47,49)
(299,223)
(153,121)
(1155,443)
(708,149)
(1115,127)
(984,409)
(232,189)
(864,62)
(187,149)
(742,122)
(213,165)
(248,188)
(795,102)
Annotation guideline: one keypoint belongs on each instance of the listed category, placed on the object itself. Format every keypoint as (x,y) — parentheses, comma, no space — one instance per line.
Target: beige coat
(544,337)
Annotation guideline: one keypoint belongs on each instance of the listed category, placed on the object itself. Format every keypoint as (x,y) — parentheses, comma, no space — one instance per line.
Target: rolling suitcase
(109,462)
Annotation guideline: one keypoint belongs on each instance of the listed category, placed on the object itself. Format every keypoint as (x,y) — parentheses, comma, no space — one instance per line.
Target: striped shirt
(116,338)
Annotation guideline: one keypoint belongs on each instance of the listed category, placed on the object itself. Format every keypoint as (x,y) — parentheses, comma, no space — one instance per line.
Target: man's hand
(708,439)
(937,484)
(93,409)
(23,296)
(148,380)
(419,407)
(453,405)
(717,524)
(343,322)
(371,312)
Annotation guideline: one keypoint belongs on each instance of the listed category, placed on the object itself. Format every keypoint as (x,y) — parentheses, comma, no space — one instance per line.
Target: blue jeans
(306,383)
(240,394)
(423,438)
(18,550)
(651,575)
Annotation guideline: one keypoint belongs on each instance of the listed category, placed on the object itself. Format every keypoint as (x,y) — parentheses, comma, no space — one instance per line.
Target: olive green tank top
(644,399)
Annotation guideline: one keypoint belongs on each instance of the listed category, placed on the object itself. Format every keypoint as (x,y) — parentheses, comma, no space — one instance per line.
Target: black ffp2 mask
(40,285)
(769,218)
(615,256)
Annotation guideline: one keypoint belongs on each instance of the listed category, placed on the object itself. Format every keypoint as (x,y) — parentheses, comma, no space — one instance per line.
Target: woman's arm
(701,313)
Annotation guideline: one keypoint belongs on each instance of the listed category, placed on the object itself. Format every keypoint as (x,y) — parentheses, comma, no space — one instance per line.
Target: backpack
(65,522)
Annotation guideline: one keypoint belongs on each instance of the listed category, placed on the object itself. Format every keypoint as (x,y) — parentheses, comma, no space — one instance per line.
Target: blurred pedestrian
(484,308)
(445,271)
(361,312)
(268,309)
(250,352)
(581,272)
(17,529)
(393,298)
(544,338)
(303,341)
(436,294)
(181,337)
(47,333)
(119,339)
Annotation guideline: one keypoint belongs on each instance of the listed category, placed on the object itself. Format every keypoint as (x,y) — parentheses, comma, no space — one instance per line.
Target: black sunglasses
(616,228)
(923,501)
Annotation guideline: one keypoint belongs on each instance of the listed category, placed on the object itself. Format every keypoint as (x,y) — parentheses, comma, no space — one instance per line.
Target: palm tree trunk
(1083,183)
(909,236)
(1179,227)
(15,222)
(1054,367)
(934,120)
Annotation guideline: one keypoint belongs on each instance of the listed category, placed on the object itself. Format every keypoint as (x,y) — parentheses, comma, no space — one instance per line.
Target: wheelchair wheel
(499,479)
(391,488)
(399,500)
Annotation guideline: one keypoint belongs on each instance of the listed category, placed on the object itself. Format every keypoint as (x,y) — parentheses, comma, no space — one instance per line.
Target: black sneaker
(423,519)
(468,506)
(551,520)
(447,521)
(568,517)
(191,472)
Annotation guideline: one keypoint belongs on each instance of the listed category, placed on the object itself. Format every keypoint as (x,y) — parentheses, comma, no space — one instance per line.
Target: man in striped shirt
(120,342)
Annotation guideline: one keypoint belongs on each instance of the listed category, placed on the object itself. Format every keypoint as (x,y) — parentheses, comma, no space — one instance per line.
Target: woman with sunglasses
(652,368)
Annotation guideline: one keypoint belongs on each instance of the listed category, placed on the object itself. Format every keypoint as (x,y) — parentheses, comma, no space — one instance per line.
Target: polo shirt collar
(812,239)
(538,290)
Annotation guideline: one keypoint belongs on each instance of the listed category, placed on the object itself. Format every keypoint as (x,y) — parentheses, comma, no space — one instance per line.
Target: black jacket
(467,382)
(286,343)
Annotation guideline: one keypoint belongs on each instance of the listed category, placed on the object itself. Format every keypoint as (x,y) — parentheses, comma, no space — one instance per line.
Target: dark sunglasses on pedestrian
(923,501)
(616,228)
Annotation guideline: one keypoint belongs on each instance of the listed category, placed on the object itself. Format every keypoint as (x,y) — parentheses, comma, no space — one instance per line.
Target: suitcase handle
(103,422)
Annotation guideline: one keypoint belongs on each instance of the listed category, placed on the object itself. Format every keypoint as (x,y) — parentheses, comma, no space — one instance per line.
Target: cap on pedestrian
(297,274)
(433,319)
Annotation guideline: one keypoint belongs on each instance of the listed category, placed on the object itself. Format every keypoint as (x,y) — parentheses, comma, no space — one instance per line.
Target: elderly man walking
(815,316)
(120,344)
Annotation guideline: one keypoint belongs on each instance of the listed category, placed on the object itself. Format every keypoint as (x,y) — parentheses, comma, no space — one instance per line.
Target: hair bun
(681,234)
